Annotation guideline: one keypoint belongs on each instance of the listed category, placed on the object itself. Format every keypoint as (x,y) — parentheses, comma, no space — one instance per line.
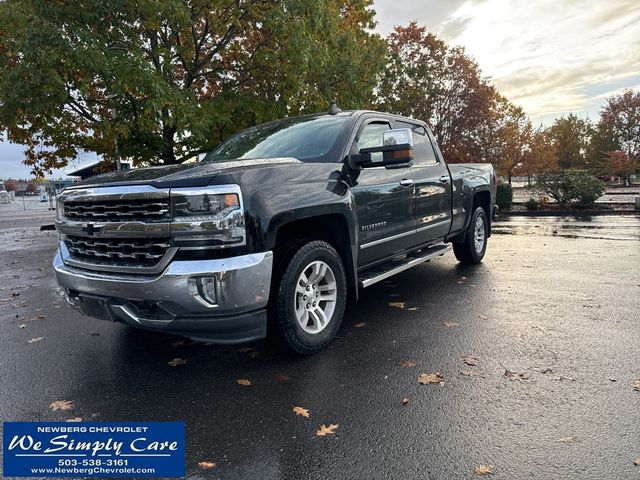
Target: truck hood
(193,175)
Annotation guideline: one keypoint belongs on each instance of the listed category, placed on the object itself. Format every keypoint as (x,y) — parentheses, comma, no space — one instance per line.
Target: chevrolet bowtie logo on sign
(92,449)
(91,229)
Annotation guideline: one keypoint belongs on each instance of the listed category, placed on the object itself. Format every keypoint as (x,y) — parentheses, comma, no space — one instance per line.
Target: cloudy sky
(552,57)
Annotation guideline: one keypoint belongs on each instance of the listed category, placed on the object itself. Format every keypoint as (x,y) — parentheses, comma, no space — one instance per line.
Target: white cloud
(549,56)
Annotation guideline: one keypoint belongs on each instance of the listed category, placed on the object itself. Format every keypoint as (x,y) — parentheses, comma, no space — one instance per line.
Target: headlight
(207,217)
(59,208)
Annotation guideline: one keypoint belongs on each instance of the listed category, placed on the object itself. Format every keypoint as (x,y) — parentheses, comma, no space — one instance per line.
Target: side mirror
(397,150)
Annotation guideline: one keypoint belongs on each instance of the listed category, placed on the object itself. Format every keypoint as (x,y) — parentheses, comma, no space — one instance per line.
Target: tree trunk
(167,155)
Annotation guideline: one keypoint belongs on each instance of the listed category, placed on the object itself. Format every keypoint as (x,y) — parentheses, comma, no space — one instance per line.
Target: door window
(371,136)
(422,148)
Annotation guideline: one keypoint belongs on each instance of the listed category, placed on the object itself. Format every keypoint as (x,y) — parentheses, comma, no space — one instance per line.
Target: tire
(470,252)
(304,322)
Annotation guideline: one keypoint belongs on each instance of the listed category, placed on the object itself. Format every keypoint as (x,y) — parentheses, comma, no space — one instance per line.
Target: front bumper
(169,301)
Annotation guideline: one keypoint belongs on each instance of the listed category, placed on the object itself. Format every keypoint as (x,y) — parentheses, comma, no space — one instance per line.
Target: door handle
(444,179)
(406,182)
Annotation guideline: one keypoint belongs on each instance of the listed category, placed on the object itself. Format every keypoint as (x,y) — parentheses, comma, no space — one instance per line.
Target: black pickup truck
(271,229)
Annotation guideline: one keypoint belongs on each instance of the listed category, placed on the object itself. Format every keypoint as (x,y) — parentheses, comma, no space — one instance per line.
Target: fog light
(203,289)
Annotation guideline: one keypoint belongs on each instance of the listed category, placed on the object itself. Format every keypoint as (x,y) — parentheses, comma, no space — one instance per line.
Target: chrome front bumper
(172,301)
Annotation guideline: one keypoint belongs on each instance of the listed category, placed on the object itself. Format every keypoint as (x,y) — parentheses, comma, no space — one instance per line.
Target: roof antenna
(333,109)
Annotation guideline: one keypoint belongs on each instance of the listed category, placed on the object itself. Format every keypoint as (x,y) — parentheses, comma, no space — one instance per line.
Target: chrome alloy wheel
(479,234)
(315,299)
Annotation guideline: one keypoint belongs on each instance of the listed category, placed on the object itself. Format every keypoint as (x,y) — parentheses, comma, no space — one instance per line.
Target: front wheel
(471,251)
(311,297)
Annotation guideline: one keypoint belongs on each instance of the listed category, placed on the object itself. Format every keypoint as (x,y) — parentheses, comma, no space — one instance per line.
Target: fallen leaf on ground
(75,419)
(636,386)
(206,464)
(22,325)
(301,411)
(407,363)
(177,361)
(178,343)
(281,377)
(483,317)
(513,376)
(471,361)
(324,430)
(61,405)
(451,324)
(359,325)
(244,381)
(637,461)
(397,304)
(567,439)
(469,373)
(431,379)
(35,339)
(483,470)
(405,401)
(40,317)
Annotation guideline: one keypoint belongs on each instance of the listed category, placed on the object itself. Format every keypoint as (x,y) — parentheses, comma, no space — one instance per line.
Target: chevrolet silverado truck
(271,230)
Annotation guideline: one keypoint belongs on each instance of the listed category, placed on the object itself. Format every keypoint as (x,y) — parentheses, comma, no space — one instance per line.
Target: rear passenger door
(432,187)
(384,200)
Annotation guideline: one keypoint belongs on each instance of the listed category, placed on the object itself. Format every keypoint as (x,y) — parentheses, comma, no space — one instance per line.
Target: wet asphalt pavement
(556,302)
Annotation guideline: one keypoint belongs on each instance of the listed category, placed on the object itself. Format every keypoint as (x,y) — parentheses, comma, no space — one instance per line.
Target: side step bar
(377,274)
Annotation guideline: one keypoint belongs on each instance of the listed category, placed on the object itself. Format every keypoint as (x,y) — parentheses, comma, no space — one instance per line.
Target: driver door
(384,201)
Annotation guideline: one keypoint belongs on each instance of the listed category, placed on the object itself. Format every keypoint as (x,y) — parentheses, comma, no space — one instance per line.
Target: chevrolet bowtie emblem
(92,229)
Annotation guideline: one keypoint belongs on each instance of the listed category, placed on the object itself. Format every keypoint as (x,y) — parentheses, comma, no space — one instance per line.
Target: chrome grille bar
(145,253)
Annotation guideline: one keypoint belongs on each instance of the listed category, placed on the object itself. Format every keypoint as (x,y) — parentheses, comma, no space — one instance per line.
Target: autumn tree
(571,135)
(542,156)
(621,165)
(10,185)
(511,138)
(164,80)
(617,141)
(426,79)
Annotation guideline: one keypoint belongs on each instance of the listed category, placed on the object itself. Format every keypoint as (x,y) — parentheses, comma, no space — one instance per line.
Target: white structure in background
(5,197)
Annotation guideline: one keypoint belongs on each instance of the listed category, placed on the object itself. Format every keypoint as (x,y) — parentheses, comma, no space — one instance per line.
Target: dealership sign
(91,449)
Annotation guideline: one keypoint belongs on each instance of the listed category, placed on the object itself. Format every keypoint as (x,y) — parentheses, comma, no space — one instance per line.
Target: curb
(568,213)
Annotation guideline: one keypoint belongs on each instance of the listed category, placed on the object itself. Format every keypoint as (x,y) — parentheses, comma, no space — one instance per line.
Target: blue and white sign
(91,449)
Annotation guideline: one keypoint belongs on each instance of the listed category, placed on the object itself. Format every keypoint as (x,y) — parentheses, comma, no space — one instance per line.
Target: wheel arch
(331,227)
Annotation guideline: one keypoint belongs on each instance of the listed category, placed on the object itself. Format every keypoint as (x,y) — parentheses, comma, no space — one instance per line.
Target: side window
(422,148)
(371,136)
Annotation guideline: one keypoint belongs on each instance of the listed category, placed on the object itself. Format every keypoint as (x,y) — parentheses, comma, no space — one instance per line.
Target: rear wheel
(310,298)
(471,251)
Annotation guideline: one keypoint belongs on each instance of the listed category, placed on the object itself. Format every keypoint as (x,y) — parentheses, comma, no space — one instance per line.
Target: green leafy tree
(159,81)
(571,135)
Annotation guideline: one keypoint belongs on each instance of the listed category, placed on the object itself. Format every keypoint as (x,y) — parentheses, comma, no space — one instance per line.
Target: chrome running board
(382,272)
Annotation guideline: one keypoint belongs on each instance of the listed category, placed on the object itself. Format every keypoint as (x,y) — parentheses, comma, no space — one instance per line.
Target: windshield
(304,138)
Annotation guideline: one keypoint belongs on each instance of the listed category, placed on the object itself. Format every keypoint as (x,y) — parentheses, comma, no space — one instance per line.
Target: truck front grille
(143,210)
(130,252)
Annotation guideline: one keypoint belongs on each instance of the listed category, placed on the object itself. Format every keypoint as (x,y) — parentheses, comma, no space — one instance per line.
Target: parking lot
(538,349)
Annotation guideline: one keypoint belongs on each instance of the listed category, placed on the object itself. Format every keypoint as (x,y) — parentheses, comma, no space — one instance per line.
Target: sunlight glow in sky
(552,57)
